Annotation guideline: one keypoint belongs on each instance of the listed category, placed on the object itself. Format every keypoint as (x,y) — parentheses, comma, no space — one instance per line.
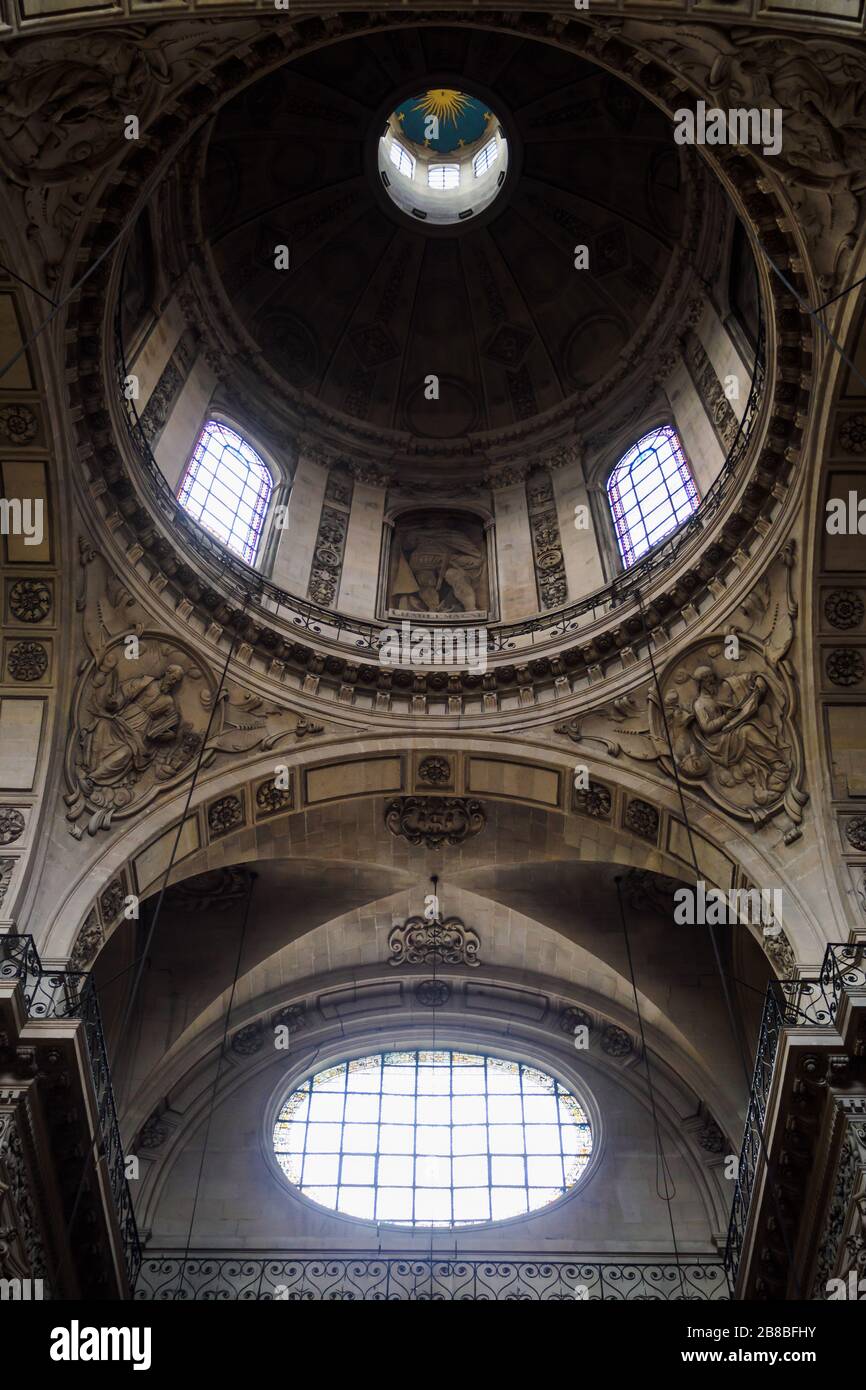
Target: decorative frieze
(330,547)
(165,394)
(710,390)
(546,542)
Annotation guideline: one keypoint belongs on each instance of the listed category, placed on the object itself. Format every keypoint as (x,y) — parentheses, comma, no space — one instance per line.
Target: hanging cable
(244,922)
(736,1031)
(96,1142)
(662,1170)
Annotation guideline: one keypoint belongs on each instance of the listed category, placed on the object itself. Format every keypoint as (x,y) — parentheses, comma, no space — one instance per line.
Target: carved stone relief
(419,942)
(710,390)
(546,542)
(164,395)
(324,582)
(434,821)
(6,867)
(145,709)
(62,106)
(820,86)
(731,718)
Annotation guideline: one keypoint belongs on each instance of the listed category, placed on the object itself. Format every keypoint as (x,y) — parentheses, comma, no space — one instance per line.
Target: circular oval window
(435,1138)
(442,156)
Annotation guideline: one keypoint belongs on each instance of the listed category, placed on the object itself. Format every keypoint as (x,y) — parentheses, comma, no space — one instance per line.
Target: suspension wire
(127,1012)
(736,1031)
(434,879)
(841,295)
(662,1167)
(814,313)
(7,270)
(241,942)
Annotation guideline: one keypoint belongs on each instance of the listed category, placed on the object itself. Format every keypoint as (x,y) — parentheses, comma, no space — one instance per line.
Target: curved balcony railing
(224,568)
(791,1003)
(72,994)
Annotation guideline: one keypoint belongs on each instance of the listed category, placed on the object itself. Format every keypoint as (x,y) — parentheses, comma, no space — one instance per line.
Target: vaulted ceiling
(371,304)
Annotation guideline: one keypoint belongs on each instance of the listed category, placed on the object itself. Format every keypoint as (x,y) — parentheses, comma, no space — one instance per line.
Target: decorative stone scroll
(419,942)
(434,821)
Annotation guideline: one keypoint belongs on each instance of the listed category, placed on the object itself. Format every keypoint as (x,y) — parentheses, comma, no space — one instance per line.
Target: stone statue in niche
(438,565)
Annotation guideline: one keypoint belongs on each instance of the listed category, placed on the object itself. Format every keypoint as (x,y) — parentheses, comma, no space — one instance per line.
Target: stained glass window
(226,487)
(436,1138)
(651,491)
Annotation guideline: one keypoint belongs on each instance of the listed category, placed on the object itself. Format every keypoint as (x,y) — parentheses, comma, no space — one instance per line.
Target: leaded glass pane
(432,1138)
(227,488)
(651,491)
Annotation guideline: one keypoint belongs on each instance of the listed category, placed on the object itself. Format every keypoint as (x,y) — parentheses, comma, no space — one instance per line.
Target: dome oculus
(442,157)
(432,1138)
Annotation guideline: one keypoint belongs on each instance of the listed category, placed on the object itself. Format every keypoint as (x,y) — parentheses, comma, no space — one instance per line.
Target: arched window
(432,1138)
(650,491)
(227,488)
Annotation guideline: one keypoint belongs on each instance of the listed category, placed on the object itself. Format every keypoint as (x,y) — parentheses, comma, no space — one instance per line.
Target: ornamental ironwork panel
(790,1004)
(373,1279)
(72,994)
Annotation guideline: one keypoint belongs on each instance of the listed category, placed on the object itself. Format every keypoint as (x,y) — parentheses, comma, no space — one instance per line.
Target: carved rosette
(432,994)
(271,798)
(27,661)
(435,771)
(11,825)
(419,942)
(642,818)
(434,821)
(845,666)
(594,800)
(29,600)
(843,608)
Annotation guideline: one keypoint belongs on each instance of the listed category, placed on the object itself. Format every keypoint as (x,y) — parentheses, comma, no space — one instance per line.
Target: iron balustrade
(793,1003)
(225,568)
(166,1277)
(72,994)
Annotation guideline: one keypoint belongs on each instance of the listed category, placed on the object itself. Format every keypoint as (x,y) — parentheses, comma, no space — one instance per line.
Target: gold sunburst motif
(444,103)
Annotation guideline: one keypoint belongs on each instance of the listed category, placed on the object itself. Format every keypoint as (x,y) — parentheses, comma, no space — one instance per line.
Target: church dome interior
(433,657)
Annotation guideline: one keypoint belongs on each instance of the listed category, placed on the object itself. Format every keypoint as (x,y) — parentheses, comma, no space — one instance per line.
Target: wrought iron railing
(72,994)
(795,1003)
(376,1278)
(225,568)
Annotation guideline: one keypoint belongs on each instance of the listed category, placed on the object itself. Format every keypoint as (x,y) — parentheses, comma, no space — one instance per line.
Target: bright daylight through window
(651,491)
(432,1138)
(227,488)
